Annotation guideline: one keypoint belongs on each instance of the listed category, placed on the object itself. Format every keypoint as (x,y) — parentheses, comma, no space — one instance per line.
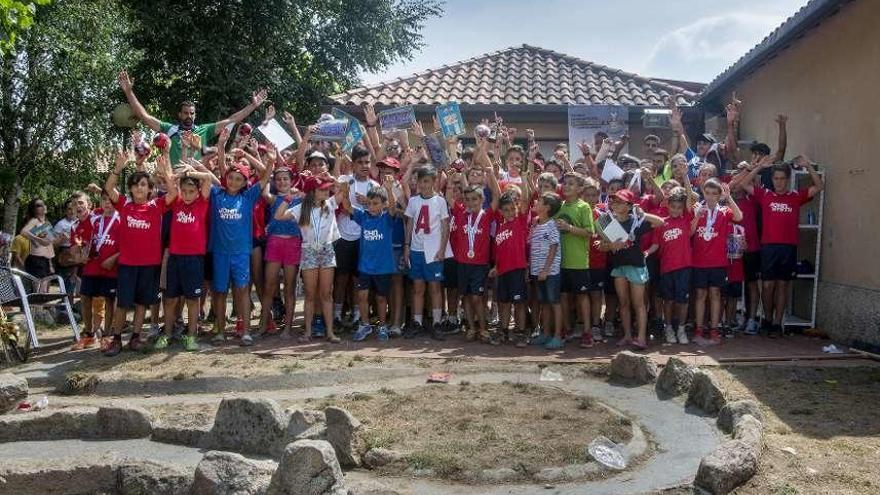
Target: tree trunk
(12,202)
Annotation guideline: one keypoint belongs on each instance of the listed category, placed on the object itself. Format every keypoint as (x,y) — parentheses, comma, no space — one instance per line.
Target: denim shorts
(548,291)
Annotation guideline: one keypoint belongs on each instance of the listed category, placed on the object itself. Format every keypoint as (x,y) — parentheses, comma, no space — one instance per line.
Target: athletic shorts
(97,286)
(548,291)
(752,265)
(653,264)
(511,287)
(258,243)
(634,274)
(38,266)
(778,261)
(234,267)
(732,290)
(471,279)
(450,273)
(284,250)
(419,269)
(209,267)
(600,279)
(317,257)
(346,256)
(703,278)
(676,285)
(137,285)
(380,284)
(401,267)
(575,281)
(184,276)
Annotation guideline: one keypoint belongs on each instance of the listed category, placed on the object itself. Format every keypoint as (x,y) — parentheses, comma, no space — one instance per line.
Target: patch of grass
(444,464)
(292,367)
(387,391)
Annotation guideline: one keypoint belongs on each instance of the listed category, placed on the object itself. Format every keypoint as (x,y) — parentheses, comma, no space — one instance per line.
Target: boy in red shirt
(140,245)
(709,229)
(99,231)
(672,241)
(186,258)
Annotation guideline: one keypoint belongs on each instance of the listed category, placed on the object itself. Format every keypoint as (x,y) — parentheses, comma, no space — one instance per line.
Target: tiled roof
(522,75)
(805,19)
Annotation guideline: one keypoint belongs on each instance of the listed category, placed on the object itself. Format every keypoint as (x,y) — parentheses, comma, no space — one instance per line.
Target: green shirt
(576,249)
(205,131)
(664,175)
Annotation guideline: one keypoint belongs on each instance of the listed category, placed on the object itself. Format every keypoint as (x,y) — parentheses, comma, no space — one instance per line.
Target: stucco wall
(827,84)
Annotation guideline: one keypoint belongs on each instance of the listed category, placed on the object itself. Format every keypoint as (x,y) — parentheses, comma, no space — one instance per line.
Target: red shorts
(284,250)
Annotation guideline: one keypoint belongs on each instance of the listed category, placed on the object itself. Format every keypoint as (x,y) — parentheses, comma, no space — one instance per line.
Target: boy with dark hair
(575,222)
(545,258)
(673,244)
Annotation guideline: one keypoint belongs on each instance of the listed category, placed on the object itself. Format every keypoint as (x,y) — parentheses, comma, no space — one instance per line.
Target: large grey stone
(730,465)
(343,433)
(675,378)
(378,457)
(305,424)
(497,475)
(248,425)
(12,390)
(751,431)
(705,393)
(153,478)
(42,316)
(732,411)
(227,473)
(53,477)
(193,436)
(633,368)
(124,421)
(308,467)
(50,424)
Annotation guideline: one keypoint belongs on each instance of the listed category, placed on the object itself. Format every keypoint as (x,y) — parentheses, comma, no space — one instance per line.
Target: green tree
(15,17)
(216,52)
(56,92)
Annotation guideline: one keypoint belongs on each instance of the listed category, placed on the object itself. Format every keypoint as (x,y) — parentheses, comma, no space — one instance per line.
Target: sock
(417,319)
(337,311)
(436,315)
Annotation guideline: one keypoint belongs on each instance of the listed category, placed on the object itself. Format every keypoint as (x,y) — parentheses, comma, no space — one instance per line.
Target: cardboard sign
(584,121)
(451,123)
(393,119)
(331,130)
(275,134)
(355,132)
(436,151)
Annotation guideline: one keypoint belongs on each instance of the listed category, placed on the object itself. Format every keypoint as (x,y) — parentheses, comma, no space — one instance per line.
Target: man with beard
(186,117)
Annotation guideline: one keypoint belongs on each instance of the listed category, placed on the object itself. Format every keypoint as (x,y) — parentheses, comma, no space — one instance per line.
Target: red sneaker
(714,337)
(105,343)
(239,327)
(113,348)
(586,340)
(699,337)
(270,328)
(135,344)
(85,342)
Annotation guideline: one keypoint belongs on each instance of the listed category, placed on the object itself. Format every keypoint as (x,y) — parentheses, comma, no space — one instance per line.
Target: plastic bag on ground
(606,453)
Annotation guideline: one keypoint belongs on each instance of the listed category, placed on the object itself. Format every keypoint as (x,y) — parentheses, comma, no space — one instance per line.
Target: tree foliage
(216,52)
(15,17)
(56,92)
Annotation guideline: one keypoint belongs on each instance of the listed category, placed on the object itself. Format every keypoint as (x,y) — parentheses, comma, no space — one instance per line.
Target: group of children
(502,243)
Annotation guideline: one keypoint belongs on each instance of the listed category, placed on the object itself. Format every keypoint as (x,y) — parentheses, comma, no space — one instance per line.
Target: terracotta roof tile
(523,75)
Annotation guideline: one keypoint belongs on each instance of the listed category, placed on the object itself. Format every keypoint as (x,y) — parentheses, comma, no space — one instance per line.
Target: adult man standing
(186,117)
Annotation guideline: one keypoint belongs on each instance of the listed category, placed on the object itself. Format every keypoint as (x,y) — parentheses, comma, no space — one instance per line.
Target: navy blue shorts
(676,285)
(380,284)
(450,273)
(704,278)
(347,256)
(778,261)
(97,286)
(752,266)
(471,279)
(137,285)
(732,290)
(184,276)
(575,281)
(511,287)
(653,264)
(600,279)
(209,267)
(549,290)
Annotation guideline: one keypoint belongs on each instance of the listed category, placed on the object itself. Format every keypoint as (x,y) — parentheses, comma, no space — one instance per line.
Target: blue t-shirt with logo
(282,227)
(375,244)
(232,220)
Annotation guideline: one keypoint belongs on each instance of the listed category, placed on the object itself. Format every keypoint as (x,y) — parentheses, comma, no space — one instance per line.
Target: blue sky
(675,39)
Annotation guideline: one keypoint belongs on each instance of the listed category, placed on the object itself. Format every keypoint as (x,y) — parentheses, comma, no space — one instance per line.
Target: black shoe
(437,333)
(412,330)
(114,349)
(450,328)
(775,331)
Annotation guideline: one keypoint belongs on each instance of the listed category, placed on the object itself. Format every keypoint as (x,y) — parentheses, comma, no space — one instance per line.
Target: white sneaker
(670,334)
(597,334)
(682,335)
(395,331)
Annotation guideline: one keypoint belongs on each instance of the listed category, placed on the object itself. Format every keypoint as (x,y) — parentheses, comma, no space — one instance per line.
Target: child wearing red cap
(316,216)
(627,260)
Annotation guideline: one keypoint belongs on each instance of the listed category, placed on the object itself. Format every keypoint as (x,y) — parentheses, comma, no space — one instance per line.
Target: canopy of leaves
(216,52)
(15,17)
(56,91)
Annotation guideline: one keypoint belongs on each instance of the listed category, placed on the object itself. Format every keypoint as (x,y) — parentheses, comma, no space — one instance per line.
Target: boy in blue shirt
(231,243)
(375,265)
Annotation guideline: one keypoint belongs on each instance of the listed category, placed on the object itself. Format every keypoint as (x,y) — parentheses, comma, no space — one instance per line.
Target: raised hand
(725,191)
(125,81)
(418,130)
(120,161)
(270,113)
(584,147)
(289,120)
(781,119)
(259,96)
(222,137)
(370,114)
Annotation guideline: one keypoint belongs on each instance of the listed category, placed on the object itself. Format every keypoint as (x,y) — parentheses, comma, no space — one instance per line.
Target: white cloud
(703,49)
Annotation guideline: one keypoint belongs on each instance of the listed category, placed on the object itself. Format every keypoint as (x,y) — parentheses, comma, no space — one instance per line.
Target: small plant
(292,367)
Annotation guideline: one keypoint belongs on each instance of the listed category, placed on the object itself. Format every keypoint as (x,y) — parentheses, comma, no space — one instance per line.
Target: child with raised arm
(140,246)
(672,241)
(427,232)
(709,229)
